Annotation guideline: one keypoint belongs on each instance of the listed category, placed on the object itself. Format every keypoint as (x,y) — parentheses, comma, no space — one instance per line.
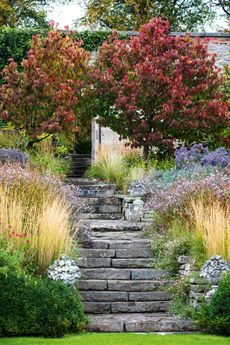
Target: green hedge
(39,307)
(14,43)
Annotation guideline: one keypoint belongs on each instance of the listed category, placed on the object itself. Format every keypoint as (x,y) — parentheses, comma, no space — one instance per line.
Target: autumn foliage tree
(40,97)
(155,88)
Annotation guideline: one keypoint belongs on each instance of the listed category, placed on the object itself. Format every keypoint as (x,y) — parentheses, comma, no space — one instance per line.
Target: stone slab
(100,216)
(101,244)
(139,307)
(134,253)
(135,285)
(92,284)
(102,209)
(96,253)
(102,201)
(132,263)
(140,243)
(161,324)
(118,235)
(104,296)
(106,273)
(148,274)
(149,296)
(97,307)
(116,225)
(141,322)
(93,262)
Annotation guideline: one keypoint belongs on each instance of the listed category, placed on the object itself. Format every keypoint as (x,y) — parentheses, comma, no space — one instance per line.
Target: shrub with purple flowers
(187,157)
(220,157)
(198,154)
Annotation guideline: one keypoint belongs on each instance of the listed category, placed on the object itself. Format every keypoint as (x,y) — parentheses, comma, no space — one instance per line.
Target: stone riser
(102,216)
(103,209)
(132,253)
(126,307)
(147,322)
(115,296)
(114,263)
(102,201)
(123,274)
(121,285)
(119,244)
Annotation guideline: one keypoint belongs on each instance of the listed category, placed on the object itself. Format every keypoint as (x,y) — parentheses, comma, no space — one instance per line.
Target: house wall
(105,140)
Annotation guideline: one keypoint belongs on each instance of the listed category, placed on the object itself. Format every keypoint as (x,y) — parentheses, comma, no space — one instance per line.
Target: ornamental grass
(35,218)
(211,224)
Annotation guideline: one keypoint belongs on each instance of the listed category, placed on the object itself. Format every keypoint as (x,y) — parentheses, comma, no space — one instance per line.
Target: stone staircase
(121,289)
(79,163)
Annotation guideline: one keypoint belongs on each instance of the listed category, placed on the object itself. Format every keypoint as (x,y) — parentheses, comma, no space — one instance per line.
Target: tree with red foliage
(40,97)
(155,88)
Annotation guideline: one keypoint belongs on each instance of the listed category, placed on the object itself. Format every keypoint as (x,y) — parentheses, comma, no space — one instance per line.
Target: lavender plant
(198,154)
(173,195)
(13,156)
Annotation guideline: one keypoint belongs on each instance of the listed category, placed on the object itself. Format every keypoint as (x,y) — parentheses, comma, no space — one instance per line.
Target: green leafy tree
(131,14)
(25,12)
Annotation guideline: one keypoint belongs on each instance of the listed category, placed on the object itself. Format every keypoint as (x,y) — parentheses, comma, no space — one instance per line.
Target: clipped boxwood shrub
(215,317)
(34,306)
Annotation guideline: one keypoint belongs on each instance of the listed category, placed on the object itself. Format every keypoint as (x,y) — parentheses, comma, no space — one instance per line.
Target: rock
(211,293)
(137,188)
(13,156)
(65,270)
(213,269)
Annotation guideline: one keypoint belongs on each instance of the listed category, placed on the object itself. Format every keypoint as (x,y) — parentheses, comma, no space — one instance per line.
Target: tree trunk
(146,152)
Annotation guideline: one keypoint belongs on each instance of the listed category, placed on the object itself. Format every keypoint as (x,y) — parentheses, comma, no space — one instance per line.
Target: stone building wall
(105,140)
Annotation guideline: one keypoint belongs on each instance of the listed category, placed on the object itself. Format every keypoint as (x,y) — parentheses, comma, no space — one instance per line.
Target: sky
(66,14)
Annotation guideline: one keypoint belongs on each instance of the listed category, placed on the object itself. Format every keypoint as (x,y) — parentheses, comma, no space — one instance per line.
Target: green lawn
(121,339)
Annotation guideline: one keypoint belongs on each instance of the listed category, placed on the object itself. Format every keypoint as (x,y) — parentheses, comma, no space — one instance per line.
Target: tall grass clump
(211,225)
(35,218)
(110,167)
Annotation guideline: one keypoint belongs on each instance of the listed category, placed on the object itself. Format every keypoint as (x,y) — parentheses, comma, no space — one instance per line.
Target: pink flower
(51,23)
(66,27)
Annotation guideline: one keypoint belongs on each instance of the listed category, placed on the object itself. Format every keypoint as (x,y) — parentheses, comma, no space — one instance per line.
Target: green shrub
(169,244)
(215,317)
(30,306)
(48,162)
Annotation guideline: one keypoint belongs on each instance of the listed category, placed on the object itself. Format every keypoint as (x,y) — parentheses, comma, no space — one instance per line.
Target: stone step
(97,253)
(123,273)
(96,193)
(91,262)
(116,235)
(147,322)
(106,273)
(139,252)
(126,307)
(136,285)
(116,225)
(115,296)
(121,244)
(121,285)
(102,209)
(132,263)
(102,216)
(102,201)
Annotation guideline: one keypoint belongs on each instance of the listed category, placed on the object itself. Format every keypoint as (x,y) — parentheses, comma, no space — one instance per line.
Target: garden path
(121,289)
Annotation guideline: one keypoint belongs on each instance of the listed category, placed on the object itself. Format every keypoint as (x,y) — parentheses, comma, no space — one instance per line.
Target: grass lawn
(121,339)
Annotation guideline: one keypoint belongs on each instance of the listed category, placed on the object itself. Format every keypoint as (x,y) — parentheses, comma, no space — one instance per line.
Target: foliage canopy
(155,88)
